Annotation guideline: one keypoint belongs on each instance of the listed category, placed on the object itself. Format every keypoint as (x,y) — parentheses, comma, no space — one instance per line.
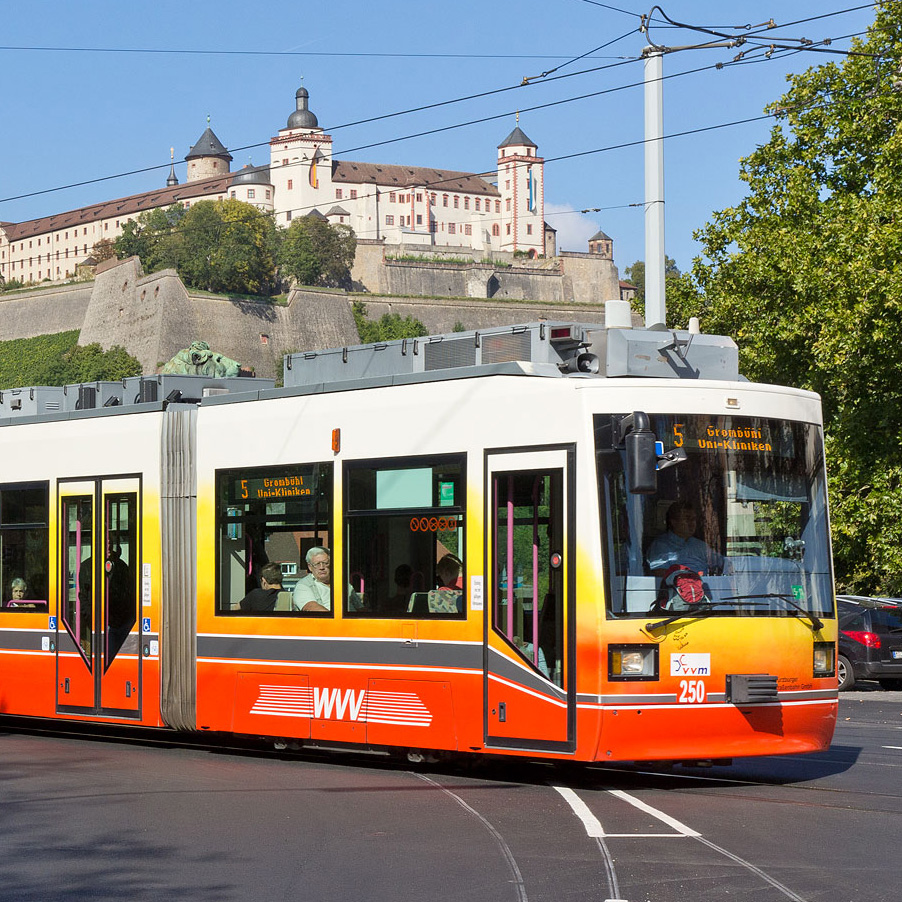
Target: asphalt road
(85,819)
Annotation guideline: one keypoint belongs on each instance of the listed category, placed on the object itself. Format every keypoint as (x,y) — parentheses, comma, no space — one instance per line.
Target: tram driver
(679,545)
(314,591)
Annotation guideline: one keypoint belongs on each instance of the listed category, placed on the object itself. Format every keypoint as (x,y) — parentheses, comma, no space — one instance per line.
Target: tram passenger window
(24,547)
(405,537)
(270,515)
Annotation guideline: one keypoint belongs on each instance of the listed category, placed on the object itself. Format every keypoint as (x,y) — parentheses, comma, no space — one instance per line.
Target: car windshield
(746,509)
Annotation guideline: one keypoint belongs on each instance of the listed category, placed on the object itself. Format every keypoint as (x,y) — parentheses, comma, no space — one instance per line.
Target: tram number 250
(692,692)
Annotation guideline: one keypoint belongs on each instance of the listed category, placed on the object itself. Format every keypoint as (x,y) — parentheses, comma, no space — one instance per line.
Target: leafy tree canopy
(635,275)
(60,360)
(388,328)
(314,252)
(806,274)
(227,246)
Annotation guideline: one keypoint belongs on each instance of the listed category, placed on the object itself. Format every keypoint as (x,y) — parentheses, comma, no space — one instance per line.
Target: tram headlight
(633,662)
(824,659)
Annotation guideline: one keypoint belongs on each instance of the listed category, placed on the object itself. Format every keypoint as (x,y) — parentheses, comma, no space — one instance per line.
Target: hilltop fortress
(423,233)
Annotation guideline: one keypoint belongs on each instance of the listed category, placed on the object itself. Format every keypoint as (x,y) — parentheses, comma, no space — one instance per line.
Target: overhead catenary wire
(438,130)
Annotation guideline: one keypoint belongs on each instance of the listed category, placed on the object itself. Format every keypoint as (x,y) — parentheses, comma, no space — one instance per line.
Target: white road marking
(664,818)
(581,810)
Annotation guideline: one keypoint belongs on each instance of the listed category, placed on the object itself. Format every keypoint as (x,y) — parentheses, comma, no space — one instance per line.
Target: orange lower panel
(715,731)
(341,706)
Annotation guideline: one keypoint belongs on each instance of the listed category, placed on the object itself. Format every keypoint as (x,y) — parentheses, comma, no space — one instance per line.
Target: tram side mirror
(638,441)
(641,462)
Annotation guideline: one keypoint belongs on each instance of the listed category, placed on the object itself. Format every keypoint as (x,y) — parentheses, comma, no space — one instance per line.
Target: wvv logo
(325,701)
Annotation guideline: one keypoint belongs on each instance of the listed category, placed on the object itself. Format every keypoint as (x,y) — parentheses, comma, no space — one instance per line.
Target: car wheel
(890,684)
(845,673)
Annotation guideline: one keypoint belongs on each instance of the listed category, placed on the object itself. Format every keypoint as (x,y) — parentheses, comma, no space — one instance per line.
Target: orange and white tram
(543,460)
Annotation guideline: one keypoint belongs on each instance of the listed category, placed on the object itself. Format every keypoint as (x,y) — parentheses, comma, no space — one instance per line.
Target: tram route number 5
(692,692)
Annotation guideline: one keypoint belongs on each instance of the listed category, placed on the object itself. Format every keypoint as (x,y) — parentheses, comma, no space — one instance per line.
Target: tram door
(98,628)
(530,690)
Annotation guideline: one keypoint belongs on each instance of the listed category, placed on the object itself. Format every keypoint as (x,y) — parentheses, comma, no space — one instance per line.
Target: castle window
(433,226)
(468,229)
(452,228)
(507,205)
(507,185)
(497,206)
(496,230)
(215,164)
(268,193)
(288,216)
(444,200)
(432,200)
(389,220)
(284,162)
(477,204)
(290,186)
(466,203)
(419,197)
(251,193)
(456,201)
(353,194)
(508,228)
(338,192)
(391,196)
(529,228)
(419,219)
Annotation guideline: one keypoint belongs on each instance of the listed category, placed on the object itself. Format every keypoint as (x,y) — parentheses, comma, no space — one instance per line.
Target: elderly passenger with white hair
(314,591)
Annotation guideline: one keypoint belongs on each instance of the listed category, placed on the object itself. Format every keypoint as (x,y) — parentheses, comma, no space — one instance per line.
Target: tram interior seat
(419,605)
(283,601)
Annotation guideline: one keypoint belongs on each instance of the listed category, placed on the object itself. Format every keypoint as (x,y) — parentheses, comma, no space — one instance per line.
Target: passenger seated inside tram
(264,598)
(448,597)
(19,597)
(398,602)
(314,591)
(679,545)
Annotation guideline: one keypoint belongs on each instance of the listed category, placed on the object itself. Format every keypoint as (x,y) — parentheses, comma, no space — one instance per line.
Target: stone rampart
(24,314)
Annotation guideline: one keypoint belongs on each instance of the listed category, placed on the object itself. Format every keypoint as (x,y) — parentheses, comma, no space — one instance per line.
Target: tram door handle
(502,712)
(67,686)
(128,688)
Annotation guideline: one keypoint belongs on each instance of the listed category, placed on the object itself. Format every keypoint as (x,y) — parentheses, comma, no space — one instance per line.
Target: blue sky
(101,88)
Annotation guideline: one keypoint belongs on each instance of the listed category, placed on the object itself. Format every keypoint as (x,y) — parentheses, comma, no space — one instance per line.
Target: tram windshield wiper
(700,610)
(816,622)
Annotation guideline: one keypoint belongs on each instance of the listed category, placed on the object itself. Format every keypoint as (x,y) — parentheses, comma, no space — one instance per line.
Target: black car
(870,641)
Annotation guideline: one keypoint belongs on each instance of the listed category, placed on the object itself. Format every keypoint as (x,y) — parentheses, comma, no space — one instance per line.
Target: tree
(635,275)
(806,274)
(60,360)
(389,327)
(225,245)
(314,252)
(103,250)
(146,237)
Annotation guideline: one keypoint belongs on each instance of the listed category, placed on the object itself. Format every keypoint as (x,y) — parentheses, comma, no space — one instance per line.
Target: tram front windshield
(746,510)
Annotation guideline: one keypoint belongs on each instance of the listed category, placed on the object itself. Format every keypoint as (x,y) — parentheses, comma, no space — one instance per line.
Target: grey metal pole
(655,302)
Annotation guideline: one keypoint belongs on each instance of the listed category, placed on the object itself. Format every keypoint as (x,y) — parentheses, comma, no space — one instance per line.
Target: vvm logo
(690,664)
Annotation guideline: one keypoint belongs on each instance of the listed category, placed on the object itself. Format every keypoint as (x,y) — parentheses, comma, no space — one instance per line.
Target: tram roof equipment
(547,348)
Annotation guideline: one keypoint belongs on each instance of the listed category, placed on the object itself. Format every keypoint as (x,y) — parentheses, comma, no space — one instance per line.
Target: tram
(546,460)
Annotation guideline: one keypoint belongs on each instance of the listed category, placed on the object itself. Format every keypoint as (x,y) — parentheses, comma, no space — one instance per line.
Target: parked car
(870,641)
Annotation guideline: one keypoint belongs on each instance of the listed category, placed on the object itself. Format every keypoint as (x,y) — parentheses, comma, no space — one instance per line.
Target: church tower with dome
(300,167)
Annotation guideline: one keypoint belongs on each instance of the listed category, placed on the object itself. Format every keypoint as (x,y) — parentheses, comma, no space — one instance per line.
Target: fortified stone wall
(570,277)
(154,316)
(24,314)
